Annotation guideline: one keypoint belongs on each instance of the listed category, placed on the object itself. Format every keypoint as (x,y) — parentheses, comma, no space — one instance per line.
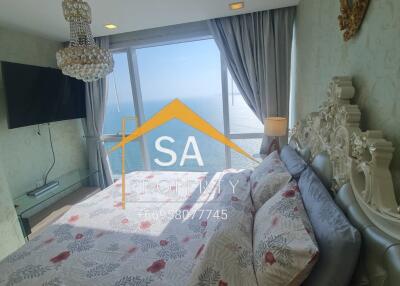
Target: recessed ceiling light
(110,26)
(237,5)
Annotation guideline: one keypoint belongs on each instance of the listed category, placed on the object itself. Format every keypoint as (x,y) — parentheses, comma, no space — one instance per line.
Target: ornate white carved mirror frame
(361,158)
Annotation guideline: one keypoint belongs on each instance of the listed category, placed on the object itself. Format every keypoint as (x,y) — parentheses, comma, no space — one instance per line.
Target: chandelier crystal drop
(82,59)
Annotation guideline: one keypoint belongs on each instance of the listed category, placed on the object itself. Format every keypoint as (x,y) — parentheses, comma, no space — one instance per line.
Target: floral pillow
(267,179)
(285,249)
(227,257)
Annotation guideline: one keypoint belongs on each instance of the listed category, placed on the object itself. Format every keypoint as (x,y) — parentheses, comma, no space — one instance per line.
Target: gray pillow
(339,242)
(294,163)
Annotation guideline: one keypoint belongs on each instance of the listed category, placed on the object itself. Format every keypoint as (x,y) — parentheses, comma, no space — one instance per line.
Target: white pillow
(268,178)
(284,245)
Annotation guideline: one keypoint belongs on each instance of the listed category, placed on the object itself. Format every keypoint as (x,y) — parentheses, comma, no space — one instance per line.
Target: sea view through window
(147,79)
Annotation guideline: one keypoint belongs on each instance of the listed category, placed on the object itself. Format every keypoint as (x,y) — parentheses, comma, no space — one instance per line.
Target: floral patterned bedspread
(156,240)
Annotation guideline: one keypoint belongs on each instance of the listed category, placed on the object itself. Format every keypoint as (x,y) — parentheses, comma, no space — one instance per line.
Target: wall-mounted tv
(36,95)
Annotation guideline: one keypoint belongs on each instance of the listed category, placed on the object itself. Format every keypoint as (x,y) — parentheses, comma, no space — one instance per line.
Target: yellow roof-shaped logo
(178,110)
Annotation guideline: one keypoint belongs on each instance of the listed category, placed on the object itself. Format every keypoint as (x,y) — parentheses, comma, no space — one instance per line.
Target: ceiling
(44,17)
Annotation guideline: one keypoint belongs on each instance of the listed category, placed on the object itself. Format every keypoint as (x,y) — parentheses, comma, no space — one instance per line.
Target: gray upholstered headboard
(354,165)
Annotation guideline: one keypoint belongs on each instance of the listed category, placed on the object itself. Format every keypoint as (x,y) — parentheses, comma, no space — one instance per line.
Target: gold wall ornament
(352,13)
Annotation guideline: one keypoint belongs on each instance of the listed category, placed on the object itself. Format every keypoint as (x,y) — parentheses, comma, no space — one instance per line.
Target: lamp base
(274,146)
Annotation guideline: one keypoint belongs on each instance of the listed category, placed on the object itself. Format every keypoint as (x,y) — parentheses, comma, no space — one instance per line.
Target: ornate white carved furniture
(363,158)
(355,165)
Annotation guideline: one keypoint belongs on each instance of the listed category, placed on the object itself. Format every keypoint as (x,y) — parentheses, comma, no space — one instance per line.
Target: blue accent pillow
(338,241)
(294,163)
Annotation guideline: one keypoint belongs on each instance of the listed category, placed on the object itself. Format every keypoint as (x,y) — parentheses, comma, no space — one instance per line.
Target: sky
(183,70)
(190,71)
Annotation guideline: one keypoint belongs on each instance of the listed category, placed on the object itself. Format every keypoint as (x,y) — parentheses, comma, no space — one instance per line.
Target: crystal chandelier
(82,59)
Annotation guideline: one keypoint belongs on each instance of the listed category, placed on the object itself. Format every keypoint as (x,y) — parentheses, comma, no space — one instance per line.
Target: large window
(148,78)
(188,71)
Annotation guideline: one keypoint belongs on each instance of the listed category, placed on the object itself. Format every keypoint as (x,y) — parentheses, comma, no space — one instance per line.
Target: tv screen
(36,95)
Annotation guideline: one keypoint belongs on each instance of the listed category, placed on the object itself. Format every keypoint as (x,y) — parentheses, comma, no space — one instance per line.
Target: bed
(99,243)
(169,234)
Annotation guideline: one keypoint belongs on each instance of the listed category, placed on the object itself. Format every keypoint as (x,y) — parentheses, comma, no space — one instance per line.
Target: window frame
(130,50)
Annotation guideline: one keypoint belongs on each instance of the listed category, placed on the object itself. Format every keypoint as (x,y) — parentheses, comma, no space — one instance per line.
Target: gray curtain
(96,99)
(257,49)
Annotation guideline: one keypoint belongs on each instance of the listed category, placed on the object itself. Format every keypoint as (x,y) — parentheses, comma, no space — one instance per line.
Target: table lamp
(275,127)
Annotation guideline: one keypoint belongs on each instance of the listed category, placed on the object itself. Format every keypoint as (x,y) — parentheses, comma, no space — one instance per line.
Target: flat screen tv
(36,95)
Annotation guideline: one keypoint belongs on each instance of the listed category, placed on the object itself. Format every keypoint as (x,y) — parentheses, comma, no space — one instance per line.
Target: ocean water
(212,152)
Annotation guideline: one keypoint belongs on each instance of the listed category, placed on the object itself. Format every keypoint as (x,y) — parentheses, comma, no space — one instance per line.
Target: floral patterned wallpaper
(11,236)
(24,155)
(372,58)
